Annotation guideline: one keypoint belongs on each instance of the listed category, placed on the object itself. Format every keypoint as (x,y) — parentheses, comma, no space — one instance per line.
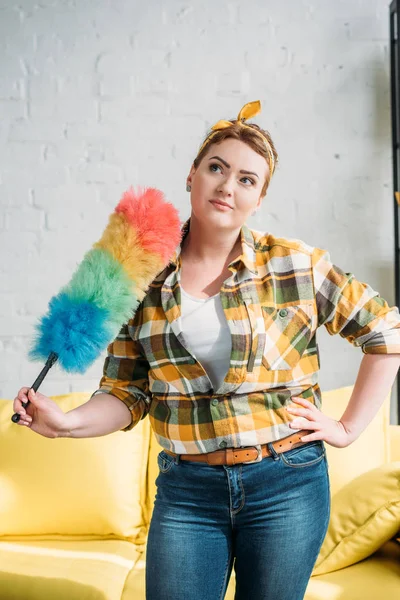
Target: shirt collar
(247,256)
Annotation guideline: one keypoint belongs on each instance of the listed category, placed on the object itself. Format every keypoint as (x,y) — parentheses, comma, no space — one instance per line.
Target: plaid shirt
(279,293)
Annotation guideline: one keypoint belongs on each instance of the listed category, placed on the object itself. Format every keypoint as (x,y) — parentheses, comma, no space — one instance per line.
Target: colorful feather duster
(108,285)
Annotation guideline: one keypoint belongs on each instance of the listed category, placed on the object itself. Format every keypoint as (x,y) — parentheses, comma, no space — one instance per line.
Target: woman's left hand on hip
(308,416)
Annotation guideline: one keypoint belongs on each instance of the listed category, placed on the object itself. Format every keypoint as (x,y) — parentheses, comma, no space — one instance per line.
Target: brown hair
(244,134)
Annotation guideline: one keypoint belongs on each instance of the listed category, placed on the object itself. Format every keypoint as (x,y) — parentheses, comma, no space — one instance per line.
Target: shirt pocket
(288,332)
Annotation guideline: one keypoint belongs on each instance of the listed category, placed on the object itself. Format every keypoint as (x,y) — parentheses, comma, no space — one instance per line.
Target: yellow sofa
(74,514)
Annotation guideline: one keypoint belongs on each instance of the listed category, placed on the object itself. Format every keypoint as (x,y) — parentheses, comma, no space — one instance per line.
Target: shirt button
(283,312)
(214,402)
(222,444)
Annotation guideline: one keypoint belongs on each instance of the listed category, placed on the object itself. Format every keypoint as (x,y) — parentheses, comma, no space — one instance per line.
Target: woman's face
(219,177)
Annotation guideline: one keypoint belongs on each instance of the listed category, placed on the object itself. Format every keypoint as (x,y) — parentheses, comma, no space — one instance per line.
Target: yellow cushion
(72,488)
(66,570)
(364,515)
(361,456)
(376,577)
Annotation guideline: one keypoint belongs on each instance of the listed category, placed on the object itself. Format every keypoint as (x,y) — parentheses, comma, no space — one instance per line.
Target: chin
(222,221)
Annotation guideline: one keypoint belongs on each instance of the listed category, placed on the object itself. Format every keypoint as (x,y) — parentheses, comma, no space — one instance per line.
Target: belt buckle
(259,455)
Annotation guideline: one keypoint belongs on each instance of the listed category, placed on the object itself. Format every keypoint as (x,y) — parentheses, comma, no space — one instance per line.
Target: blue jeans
(267,520)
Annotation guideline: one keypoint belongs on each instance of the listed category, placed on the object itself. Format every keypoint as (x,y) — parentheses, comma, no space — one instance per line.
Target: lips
(220,202)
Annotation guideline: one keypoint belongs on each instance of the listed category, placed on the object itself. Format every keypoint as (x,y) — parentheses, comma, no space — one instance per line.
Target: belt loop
(274,453)
(229,460)
(177,458)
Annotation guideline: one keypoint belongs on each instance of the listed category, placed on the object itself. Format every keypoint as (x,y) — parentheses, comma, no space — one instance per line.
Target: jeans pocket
(165,461)
(304,456)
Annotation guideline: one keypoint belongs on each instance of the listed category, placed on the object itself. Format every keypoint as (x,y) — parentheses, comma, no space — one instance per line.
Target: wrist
(350,430)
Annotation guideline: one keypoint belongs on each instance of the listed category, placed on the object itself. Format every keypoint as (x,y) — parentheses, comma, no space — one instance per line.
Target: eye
(219,167)
(251,180)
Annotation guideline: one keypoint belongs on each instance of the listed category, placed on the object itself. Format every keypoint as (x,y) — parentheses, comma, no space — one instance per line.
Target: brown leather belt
(248,454)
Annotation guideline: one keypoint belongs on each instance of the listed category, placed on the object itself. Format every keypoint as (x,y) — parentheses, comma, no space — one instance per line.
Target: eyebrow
(229,166)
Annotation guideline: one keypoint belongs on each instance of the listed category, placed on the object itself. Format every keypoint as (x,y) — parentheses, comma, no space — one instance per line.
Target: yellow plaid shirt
(279,293)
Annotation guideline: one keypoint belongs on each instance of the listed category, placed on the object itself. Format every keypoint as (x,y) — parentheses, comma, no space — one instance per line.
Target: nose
(226,186)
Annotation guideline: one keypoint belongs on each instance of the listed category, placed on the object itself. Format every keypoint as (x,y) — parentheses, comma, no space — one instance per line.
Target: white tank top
(205,328)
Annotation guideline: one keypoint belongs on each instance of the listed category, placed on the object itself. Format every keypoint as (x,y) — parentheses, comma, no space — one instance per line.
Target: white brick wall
(97,95)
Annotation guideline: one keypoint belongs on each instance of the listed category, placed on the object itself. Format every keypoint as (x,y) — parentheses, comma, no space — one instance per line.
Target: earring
(188,187)
(254,213)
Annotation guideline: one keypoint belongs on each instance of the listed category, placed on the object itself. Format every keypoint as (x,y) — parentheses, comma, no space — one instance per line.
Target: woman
(222,355)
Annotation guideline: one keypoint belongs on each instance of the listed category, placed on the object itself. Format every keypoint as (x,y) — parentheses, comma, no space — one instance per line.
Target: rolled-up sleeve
(353,309)
(125,375)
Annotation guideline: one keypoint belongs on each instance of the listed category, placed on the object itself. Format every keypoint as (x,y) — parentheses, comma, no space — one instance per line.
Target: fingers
(17,406)
(303,402)
(25,421)
(21,397)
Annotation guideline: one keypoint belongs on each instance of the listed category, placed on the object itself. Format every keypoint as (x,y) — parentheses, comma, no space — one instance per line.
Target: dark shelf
(394,26)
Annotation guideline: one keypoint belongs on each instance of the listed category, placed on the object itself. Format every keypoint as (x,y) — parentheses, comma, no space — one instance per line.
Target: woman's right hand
(42,415)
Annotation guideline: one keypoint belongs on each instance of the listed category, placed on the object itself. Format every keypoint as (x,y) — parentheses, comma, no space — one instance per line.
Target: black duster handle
(53,357)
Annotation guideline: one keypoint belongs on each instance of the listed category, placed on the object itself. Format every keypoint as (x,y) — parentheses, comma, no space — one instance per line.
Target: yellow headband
(251,109)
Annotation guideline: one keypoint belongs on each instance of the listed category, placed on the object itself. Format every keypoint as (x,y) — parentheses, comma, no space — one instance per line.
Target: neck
(209,245)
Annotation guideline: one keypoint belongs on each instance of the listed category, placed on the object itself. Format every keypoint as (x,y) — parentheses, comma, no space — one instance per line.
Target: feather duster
(108,285)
